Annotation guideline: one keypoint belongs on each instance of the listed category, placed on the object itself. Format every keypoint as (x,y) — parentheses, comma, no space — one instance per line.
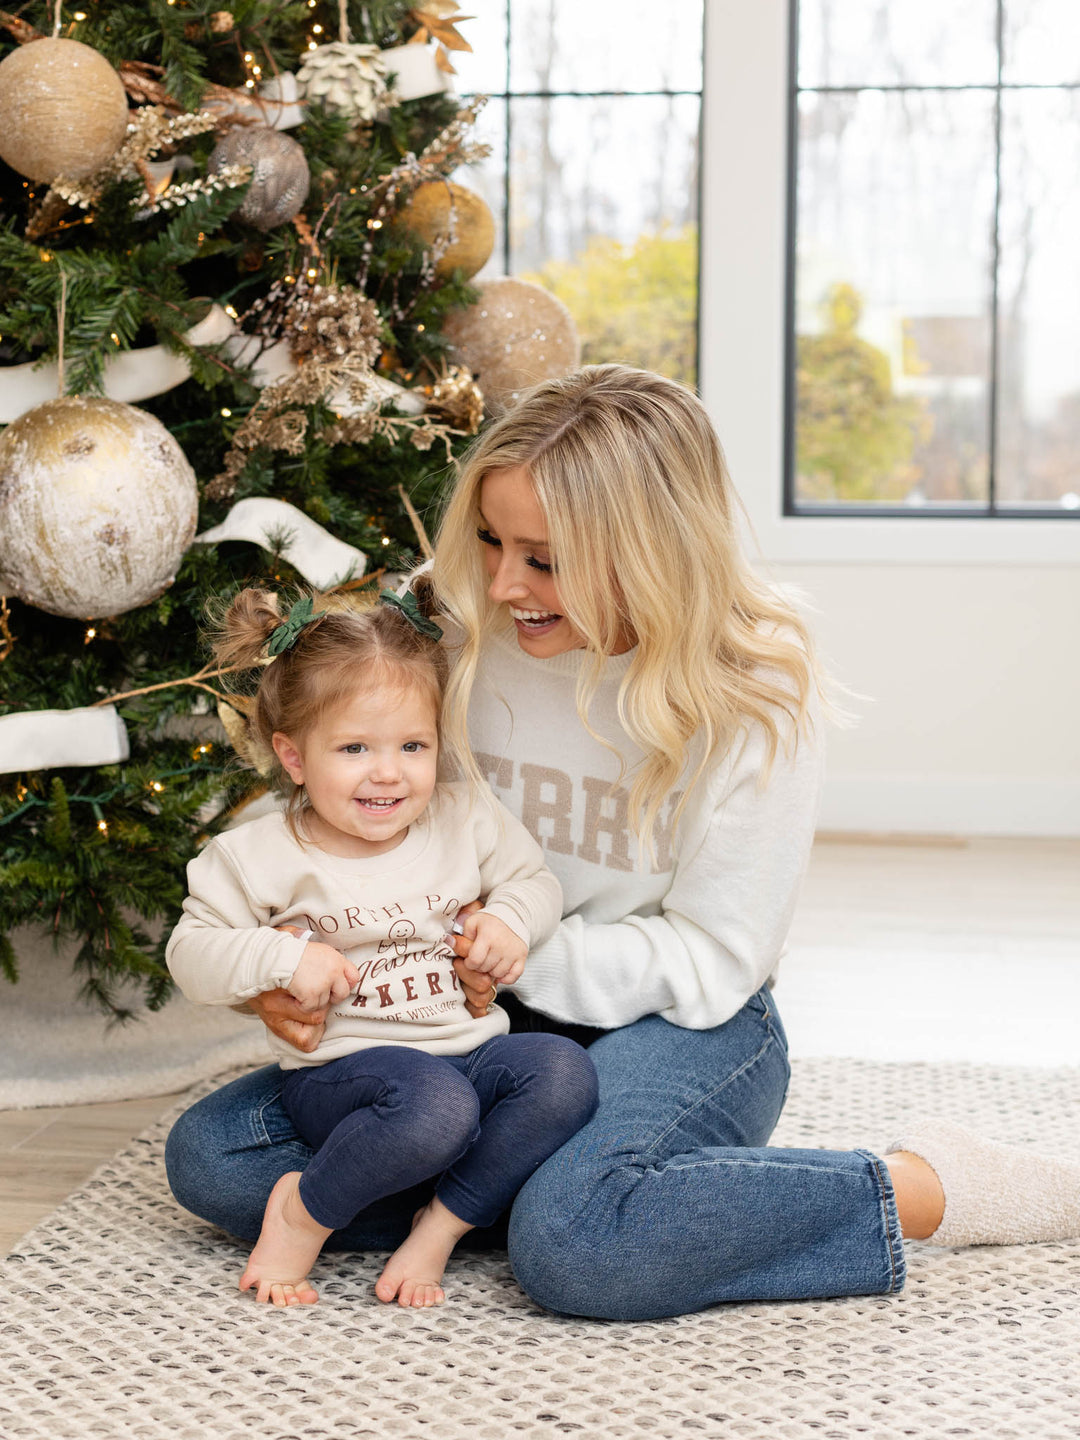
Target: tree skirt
(122,1318)
(60,1050)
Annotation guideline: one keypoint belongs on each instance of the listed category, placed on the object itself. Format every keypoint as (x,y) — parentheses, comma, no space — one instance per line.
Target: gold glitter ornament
(97,506)
(334,322)
(280,174)
(63,110)
(514,336)
(456,399)
(345,79)
(453,222)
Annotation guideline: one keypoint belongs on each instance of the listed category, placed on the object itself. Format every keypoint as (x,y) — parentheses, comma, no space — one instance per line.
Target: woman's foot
(414,1272)
(287,1247)
(994,1194)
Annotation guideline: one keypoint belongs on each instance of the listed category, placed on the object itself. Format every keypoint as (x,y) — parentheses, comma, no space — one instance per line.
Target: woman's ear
(291,759)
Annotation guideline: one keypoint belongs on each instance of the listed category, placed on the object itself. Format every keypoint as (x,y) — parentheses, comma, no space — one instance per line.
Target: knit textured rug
(121,1318)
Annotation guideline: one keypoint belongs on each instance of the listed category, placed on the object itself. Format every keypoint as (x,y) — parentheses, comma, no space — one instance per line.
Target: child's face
(369,769)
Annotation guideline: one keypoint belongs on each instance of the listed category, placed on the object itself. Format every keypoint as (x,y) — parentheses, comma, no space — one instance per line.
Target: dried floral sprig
(280,419)
(149,130)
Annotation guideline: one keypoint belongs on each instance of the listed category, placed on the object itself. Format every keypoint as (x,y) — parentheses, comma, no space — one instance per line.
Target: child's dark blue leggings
(389,1117)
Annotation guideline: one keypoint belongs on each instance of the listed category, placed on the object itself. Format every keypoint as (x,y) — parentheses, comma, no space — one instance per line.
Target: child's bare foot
(287,1247)
(414,1271)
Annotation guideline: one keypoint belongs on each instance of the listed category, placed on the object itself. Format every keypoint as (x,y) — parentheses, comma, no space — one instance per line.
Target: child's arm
(522,898)
(322,977)
(223,950)
(494,949)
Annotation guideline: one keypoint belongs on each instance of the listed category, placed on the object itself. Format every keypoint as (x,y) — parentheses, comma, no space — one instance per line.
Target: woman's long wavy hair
(641,517)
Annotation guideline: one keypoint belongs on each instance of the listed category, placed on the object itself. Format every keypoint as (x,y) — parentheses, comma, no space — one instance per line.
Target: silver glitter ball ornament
(97,506)
(280,178)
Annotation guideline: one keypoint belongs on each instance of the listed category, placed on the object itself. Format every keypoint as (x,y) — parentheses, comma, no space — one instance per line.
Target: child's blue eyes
(487,538)
(411,747)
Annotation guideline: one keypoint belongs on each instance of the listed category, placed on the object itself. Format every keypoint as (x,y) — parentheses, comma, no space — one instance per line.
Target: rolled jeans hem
(892,1233)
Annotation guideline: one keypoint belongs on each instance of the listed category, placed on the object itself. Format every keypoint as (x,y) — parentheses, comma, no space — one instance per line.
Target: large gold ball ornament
(280,178)
(63,110)
(454,220)
(515,335)
(97,506)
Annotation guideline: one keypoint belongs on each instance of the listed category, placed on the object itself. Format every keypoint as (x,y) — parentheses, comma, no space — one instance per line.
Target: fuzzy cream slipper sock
(995,1194)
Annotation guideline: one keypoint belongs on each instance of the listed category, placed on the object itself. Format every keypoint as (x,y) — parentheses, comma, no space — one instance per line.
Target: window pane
(1042,42)
(483,71)
(897,42)
(604,214)
(893,267)
(1039,301)
(590,45)
(488,178)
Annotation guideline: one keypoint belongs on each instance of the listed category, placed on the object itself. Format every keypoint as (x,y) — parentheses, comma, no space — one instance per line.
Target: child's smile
(369,768)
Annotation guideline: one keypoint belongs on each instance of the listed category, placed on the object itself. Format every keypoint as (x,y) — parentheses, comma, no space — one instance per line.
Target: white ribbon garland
(320,558)
(129,375)
(59,739)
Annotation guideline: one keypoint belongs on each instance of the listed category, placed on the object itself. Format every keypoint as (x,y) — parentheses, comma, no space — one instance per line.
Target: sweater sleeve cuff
(511,917)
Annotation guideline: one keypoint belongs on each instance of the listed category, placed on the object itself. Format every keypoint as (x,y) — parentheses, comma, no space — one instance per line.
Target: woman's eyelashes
(487,538)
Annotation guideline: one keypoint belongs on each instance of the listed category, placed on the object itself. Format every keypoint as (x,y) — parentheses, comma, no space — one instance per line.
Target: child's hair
(642,523)
(332,658)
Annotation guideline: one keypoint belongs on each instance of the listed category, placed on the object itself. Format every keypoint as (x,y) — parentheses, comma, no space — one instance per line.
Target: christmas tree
(237,224)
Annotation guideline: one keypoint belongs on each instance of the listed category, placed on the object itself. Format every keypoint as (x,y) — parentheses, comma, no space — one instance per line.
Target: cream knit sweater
(689,935)
(390,914)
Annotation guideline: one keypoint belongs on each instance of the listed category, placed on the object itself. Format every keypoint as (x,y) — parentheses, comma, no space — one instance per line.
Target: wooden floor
(45,1154)
(945,949)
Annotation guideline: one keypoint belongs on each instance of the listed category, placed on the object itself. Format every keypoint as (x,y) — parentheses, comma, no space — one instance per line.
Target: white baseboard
(945,805)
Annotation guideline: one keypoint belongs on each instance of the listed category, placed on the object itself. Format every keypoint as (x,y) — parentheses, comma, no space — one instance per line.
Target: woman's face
(520,566)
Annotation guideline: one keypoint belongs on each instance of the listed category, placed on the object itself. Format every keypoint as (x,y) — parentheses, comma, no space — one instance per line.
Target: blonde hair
(332,659)
(641,517)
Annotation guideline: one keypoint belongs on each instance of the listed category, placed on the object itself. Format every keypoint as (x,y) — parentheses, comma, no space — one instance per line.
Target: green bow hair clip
(288,632)
(410,608)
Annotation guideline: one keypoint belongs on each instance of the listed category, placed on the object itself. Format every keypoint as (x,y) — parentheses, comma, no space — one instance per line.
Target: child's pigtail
(241,632)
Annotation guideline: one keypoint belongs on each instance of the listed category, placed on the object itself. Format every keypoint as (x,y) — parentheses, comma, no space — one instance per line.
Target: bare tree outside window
(594,121)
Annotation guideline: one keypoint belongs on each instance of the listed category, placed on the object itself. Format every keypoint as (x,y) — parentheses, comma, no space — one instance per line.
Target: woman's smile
(520,566)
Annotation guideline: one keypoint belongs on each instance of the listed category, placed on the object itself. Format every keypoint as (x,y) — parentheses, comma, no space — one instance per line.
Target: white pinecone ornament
(347,79)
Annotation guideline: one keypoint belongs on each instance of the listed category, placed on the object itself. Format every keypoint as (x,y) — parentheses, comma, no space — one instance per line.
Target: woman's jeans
(667,1201)
(389,1117)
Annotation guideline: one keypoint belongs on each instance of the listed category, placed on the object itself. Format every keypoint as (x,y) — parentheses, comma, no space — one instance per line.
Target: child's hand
(323,977)
(494,949)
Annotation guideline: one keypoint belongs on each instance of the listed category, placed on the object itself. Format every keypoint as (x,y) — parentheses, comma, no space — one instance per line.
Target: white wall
(965,635)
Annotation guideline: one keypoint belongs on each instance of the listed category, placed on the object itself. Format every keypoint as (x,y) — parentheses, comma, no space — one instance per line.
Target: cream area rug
(122,1318)
(56,1049)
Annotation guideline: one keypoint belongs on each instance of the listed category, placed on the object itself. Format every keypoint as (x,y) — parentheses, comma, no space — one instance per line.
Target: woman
(651,712)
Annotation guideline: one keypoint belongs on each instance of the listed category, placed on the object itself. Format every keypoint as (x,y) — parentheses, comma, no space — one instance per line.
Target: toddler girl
(346,898)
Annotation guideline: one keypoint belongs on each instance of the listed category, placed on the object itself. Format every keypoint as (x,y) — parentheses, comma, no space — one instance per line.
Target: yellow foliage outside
(633,303)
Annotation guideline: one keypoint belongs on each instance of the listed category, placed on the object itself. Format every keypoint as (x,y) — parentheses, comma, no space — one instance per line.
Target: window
(744,319)
(594,120)
(934,293)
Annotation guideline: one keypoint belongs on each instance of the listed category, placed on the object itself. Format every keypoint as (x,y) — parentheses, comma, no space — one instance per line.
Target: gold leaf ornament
(438,21)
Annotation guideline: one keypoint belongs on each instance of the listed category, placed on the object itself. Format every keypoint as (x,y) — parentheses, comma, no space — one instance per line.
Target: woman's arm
(741,859)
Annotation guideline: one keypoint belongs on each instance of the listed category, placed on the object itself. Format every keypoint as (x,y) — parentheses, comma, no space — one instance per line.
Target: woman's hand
(289,1020)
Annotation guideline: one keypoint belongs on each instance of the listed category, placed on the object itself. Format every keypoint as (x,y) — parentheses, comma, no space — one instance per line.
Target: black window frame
(508,94)
(843,510)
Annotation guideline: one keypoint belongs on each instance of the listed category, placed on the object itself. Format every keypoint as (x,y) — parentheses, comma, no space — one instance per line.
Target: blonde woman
(651,711)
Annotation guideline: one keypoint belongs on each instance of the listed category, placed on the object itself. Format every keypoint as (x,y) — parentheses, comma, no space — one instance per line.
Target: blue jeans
(667,1201)
(390,1117)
